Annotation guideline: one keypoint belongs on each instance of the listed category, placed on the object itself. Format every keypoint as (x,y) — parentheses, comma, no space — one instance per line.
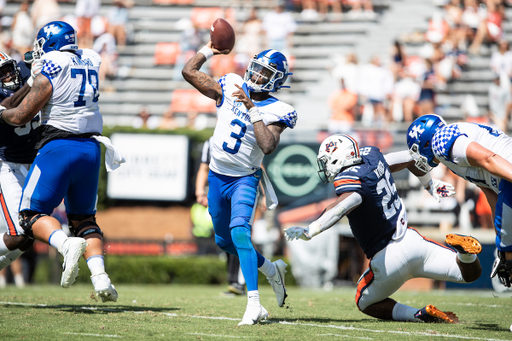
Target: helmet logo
(415,130)
(330,145)
(50,30)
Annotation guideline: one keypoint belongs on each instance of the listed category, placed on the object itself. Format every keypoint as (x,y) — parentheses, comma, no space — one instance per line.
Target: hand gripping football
(222,35)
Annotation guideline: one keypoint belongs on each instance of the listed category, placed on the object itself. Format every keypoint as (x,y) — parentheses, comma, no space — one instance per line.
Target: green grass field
(171,312)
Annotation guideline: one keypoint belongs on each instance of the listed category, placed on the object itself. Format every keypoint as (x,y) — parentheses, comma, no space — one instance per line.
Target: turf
(172,312)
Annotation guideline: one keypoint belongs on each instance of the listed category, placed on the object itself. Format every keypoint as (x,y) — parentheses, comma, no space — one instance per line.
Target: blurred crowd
(106,34)
(405,86)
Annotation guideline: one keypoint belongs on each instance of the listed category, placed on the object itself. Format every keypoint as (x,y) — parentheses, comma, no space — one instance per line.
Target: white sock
(253,297)
(57,238)
(3,248)
(7,259)
(466,257)
(96,264)
(3,282)
(404,313)
(19,281)
(268,269)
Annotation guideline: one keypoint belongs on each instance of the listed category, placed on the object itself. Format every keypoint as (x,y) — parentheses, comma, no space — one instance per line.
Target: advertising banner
(156,167)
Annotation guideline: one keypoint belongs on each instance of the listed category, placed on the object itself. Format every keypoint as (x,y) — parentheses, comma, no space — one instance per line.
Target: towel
(113,158)
(271,197)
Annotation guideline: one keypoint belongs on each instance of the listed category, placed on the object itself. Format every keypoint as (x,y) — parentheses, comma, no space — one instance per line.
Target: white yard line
(83,334)
(433,334)
(349,336)
(213,335)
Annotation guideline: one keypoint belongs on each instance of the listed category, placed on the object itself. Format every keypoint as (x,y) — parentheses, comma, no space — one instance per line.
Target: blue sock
(247,255)
(261,259)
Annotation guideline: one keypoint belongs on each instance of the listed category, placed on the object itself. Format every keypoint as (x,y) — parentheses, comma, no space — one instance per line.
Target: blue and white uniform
(17,152)
(379,224)
(67,165)
(449,145)
(235,172)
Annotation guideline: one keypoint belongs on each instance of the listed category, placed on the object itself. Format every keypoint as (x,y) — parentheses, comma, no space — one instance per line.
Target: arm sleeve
(331,217)
(458,152)
(398,157)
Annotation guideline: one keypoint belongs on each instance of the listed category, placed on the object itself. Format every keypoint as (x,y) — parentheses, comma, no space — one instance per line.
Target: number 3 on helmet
(336,153)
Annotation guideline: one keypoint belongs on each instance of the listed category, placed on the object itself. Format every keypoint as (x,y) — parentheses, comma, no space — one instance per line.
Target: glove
(37,65)
(502,268)
(294,233)
(440,189)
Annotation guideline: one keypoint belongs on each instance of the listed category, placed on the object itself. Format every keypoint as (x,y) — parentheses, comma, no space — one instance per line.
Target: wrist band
(206,51)
(254,113)
(425,180)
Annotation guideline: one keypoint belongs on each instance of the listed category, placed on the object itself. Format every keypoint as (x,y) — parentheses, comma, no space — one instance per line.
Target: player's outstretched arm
(32,103)
(332,214)
(200,80)
(479,156)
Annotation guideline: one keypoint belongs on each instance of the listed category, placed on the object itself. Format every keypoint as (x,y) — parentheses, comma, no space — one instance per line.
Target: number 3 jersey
(453,155)
(73,106)
(381,216)
(234,149)
(17,144)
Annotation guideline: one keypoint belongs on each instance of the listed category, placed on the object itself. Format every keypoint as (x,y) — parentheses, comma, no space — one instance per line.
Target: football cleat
(103,288)
(253,315)
(72,249)
(464,244)
(236,289)
(277,282)
(430,314)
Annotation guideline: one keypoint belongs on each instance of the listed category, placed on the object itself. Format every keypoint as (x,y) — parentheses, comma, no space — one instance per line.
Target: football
(222,35)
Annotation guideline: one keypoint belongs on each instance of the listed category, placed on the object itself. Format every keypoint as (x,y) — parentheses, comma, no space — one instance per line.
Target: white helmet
(336,153)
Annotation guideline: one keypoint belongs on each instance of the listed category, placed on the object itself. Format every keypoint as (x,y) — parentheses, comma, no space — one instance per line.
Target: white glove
(37,65)
(440,189)
(294,233)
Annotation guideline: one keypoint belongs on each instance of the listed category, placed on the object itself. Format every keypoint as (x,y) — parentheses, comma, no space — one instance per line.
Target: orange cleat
(430,314)
(464,244)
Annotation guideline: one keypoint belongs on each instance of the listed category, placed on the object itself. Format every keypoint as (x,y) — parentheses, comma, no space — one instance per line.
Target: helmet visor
(9,76)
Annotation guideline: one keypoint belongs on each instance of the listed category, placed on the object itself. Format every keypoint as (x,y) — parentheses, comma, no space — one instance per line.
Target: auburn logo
(332,144)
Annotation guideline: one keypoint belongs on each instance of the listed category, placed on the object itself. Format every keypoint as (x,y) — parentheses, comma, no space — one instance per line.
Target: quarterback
(68,161)
(367,196)
(249,124)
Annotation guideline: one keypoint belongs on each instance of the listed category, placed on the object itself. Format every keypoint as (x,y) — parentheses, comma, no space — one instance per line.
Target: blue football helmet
(55,36)
(267,72)
(419,140)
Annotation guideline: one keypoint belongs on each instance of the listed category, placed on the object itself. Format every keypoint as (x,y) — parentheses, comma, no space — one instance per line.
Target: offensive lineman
(249,124)
(68,162)
(367,196)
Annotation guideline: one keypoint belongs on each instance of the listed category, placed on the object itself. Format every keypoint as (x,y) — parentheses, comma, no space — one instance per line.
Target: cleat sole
(466,243)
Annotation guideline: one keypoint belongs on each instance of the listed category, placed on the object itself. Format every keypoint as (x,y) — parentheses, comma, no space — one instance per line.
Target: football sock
(96,264)
(3,248)
(403,312)
(466,257)
(247,255)
(268,269)
(253,297)
(57,238)
(7,259)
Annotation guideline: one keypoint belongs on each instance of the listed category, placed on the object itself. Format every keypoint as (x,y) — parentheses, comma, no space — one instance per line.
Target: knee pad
(77,231)
(241,237)
(27,219)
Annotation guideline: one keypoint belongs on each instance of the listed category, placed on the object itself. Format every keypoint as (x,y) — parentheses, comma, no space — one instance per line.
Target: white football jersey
(73,105)
(234,150)
(450,143)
